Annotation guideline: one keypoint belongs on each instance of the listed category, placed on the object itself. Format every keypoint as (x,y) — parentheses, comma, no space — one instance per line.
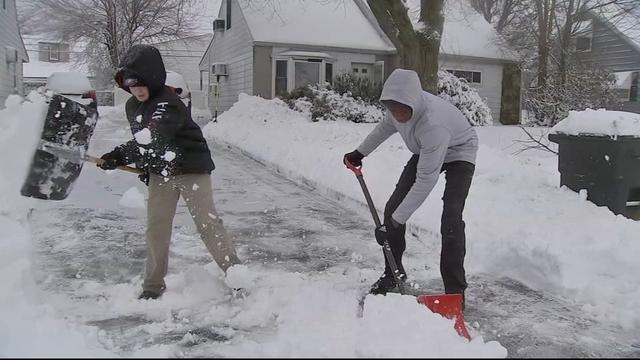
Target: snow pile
(315,316)
(28,327)
(600,122)
(520,223)
(133,198)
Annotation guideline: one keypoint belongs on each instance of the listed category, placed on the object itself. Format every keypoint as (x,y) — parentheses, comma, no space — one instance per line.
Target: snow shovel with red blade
(447,305)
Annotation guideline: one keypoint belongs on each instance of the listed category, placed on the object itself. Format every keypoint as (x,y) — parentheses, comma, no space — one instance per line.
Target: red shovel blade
(449,306)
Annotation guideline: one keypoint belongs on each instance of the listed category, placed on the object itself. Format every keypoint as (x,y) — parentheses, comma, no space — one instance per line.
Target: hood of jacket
(145,63)
(404,87)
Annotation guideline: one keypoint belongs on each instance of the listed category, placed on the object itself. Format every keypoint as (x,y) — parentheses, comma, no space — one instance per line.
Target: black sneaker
(148,294)
(386,284)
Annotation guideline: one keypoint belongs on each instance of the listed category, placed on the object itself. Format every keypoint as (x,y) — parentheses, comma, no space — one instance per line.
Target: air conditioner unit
(11,55)
(218,25)
(219,69)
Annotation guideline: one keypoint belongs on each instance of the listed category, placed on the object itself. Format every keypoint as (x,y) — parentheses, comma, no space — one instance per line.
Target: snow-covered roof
(42,69)
(626,22)
(329,23)
(465,32)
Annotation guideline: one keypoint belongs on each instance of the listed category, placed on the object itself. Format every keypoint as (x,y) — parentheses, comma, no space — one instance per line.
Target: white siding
(491,87)
(233,47)
(10,74)
(183,56)
(341,61)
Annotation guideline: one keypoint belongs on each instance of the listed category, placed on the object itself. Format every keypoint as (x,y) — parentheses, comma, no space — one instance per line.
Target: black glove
(387,232)
(354,158)
(111,160)
(144,177)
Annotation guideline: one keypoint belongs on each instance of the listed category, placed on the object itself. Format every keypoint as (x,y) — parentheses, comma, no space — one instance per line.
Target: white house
(183,57)
(48,55)
(610,38)
(268,48)
(12,52)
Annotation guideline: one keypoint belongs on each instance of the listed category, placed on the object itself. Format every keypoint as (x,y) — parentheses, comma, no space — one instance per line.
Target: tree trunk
(429,43)
(565,44)
(417,50)
(545,10)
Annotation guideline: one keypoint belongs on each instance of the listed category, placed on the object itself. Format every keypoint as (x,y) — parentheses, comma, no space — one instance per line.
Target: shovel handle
(356,169)
(99,161)
(386,249)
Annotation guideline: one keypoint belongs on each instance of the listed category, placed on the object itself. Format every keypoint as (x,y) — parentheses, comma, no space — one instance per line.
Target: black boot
(148,294)
(386,284)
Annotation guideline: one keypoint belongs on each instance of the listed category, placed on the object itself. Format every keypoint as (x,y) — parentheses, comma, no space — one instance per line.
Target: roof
(466,32)
(625,22)
(337,23)
(42,69)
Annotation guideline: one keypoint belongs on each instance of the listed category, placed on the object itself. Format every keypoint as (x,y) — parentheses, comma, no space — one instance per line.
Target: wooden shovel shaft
(99,161)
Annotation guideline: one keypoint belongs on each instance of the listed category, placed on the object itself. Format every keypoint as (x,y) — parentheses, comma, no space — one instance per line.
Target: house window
(228,22)
(472,77)
(584,36)
(281,77)
(362,70)
(633,91)
(203,75)
(54,52)
(306,72)
(328,73)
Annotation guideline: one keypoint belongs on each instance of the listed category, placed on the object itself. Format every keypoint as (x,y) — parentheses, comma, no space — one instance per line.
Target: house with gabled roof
(12,52)
(268,48)
(610,37)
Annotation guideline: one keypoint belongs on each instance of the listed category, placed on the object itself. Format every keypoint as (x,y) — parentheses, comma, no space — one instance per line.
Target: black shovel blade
(68,123)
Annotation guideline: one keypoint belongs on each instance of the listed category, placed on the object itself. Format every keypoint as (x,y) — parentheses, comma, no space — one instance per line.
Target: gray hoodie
(437,131)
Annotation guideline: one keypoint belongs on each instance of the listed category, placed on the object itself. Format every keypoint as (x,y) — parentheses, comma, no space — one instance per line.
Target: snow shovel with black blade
(447,305)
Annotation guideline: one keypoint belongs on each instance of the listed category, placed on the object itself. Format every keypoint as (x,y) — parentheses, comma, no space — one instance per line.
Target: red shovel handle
(356,169)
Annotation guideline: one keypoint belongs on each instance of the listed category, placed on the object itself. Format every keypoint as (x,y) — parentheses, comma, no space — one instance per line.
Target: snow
(169,155)
(322,23)
(68,83)
(143,136)
(30,326)
(465,32)
(600,122)
(133,198)
(520,223)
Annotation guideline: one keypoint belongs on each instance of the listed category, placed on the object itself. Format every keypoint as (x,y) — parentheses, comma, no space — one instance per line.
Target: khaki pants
(161,208)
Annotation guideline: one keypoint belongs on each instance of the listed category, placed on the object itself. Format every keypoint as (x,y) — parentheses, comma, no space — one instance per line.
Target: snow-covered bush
(357,87)
(585,88)
(465,98)
(321,103)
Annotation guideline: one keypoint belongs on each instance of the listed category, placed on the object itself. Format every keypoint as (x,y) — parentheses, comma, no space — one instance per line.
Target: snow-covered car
(72,85)
(179,85)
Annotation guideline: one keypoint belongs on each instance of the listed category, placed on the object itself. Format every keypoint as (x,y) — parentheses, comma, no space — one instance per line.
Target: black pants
(458,175)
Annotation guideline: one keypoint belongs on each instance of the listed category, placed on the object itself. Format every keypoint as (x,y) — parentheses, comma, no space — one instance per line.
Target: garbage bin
(607,167)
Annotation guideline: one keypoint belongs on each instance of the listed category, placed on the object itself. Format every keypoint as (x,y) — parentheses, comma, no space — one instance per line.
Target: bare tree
(110,27)
(419,48)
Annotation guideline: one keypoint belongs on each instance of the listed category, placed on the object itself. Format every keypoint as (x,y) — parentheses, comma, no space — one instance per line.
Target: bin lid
(601,122)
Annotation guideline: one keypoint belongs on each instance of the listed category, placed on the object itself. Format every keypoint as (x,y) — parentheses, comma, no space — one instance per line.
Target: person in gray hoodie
(441,140)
